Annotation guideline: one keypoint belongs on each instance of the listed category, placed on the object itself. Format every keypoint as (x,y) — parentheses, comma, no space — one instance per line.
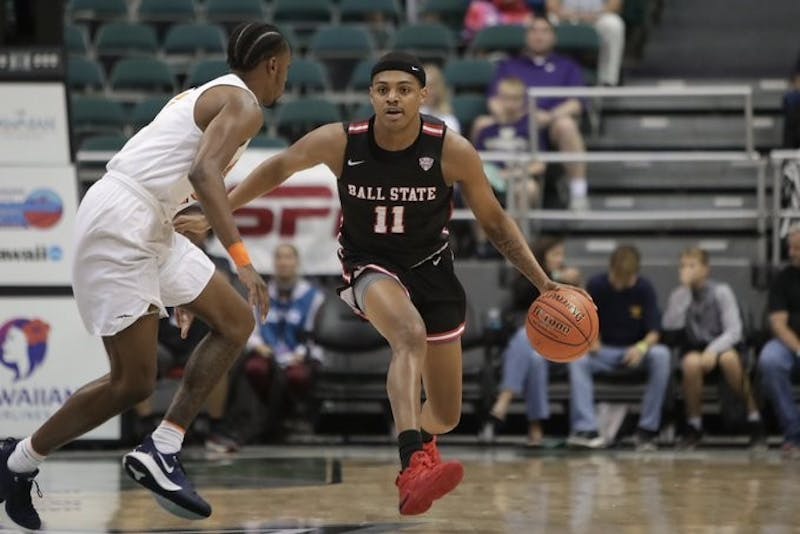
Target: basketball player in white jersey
(130,265)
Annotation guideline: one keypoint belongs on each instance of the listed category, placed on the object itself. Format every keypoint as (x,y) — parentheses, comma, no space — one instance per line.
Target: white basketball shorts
(128,257)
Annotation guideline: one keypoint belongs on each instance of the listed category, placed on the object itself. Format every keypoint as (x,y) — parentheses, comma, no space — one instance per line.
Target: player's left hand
(191,223)
(555,286)
(184,318)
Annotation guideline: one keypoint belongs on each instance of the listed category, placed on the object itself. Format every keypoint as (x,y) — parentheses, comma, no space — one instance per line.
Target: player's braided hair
(252,42)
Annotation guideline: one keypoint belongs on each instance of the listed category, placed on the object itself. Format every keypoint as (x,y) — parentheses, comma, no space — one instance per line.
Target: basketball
(562,325)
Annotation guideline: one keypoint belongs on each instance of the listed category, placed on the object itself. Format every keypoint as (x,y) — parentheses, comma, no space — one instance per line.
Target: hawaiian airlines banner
(303,211)
(37,214)
(33,124)
(45,356)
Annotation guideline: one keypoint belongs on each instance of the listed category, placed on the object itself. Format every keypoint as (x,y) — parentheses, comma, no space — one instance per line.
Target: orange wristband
(239,255)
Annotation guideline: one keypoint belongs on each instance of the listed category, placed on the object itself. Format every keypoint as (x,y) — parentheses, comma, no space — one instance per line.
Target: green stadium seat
(361,78)
(96,115)
(124,39)
(362,111)
(205,71)
(427,41)
(341,42)
(234,11)
(448,12)
(363,10)
(467,108)
(288,32)
(307,74)
(142,74)
(94,10)
(195,38)
(576,38)
(296,118)
(146,110)
(302,11)
(76,39)
(469,75)
(268,141)
(83,74)
(166,10)
(508,39)
(104,143)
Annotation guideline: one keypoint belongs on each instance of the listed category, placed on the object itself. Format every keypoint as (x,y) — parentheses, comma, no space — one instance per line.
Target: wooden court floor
(341,490)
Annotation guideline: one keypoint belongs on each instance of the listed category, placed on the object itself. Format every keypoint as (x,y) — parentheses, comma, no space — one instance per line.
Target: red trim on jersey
(433,129)
(358,127)
(448,336)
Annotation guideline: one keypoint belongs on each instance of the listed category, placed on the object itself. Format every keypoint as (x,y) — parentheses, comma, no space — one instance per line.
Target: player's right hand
(191,223)
(257,292)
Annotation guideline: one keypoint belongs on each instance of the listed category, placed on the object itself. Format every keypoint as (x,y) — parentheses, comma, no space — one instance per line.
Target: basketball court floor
(338,490)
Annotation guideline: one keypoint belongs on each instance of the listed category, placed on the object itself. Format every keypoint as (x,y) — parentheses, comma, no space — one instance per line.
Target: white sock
(753,417)
(578,187)
(168,437)
(696,422)
(24,459)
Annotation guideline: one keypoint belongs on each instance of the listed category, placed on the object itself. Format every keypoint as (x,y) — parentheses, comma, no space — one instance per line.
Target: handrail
(630,215)
(643,91)
(675,156)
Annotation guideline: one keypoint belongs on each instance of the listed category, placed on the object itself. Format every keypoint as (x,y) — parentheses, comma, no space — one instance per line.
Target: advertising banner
(45,355)
(33,124)
(37,214)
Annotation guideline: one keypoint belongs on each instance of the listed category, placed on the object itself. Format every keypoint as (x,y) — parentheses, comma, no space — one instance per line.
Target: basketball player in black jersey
(396,173)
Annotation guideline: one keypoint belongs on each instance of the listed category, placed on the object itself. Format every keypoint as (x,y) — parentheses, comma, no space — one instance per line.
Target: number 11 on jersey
(397,220)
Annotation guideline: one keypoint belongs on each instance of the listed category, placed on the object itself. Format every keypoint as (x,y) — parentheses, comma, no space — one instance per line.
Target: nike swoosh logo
(167,468)
(351,163)
(437,260)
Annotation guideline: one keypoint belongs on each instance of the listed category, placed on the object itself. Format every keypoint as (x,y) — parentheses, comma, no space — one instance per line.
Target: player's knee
(238,327)
(135,390)
(409,338)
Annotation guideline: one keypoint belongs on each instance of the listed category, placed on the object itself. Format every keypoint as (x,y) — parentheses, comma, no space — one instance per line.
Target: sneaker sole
(144,471)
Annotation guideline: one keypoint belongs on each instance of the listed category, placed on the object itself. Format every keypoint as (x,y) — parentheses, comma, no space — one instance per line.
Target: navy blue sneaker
(15,490)
(163,474)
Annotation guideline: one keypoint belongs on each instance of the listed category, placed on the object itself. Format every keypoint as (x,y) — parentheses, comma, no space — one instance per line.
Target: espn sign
(303,211)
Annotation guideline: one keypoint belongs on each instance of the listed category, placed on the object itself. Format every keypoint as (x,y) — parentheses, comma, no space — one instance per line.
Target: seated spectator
(604,16)
(791,110)
(282,358)
(437,102)
(707,314)
(484,13)
(629,334)
(778,363)
(524,369)
(557,118)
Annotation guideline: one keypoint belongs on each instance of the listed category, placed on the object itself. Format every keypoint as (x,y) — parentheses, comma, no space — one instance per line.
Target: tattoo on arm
(508,240)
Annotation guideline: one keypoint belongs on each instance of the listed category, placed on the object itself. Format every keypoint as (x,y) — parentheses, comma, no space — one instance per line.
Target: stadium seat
(302,11)
(146,110)
(467,108)
(362,10)
(142,74)
(579,41)
(448,12)
(428,41)
(307,74)
(298,117)
(124,38)
(361,78)
(469,75)
(104,143)
(83,74)
(76,40)
(508,39)
(96,115)
(205,71)
(341,42)
(234,11)
(94,10)
(363,111)
(166,10)
(268,141)
(195,38)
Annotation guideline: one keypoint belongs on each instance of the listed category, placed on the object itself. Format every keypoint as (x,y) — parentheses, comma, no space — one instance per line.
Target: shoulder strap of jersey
(433,126)
(359,127)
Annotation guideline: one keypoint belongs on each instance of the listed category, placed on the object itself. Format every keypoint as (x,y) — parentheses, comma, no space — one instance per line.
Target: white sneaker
(586,440)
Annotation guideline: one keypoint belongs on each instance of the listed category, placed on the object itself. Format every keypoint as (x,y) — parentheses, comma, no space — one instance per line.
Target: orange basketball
(562,325)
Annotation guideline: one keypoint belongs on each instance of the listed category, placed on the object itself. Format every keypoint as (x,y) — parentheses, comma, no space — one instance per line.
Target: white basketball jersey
(160,155)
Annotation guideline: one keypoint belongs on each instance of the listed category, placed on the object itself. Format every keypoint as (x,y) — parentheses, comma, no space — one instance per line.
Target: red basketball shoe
(422,482)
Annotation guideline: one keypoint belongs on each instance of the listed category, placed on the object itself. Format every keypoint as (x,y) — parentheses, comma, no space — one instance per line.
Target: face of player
(396,97)
(540,37)
(287,264)
(511,98)
(794,249)
(554,258)
(692,272)
(277,70)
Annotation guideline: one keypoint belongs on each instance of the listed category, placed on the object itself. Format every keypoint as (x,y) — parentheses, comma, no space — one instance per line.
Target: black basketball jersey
(395,205)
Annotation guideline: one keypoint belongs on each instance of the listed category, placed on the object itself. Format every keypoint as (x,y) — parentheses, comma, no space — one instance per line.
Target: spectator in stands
(484,13)
(706,313)
(604,16)
(281,357)
(629,335)
(524,369)
(557,118)
(437,103)
(778,363)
